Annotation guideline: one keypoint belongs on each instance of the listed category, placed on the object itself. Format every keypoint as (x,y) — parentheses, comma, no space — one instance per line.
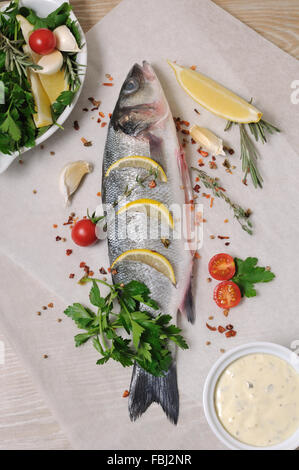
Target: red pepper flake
(185,132)
(227,243)
(107,84)
(95,103)
(197,255)
(82,264)
(221,329)
(193,67)
(86,269)
(71,276)
(185,123)
(69,252)
(230,333)
(197,179)
(101,114)
(226,312)
(126,394)
(196,111)
(109,270)
(203,153)
(51,305)
(44,307)
(104,124)
(229,327)
(214,159)
(76,125)
(110,115)
(225,221)
(58,238)
(55,225)
(110,78)
(152,184)
(99,120)
(90,273)
(192,141)
(196,188)
(212,328)
(222,237)
(212,202)
(213,165)
(231,151)
(200,162)
(85,142)
(102,270)
(21,162)
(52,153)
(114,272)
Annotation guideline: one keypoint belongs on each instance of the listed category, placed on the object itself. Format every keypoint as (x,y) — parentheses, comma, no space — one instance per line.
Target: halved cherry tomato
(42,41)
(84,233)
(222,267)
(227,294)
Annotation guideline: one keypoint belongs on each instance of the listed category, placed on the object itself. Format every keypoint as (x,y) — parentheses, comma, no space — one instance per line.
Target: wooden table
(25,420)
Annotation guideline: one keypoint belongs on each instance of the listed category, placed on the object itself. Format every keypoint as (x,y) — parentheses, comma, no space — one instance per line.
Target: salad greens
(17,128)
(148,336)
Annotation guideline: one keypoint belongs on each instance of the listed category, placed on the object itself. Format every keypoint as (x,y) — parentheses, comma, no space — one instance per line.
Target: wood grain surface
(25,420)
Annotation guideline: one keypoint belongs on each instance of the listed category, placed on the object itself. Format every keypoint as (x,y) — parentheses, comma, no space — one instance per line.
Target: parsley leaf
(248,274)
(148,336)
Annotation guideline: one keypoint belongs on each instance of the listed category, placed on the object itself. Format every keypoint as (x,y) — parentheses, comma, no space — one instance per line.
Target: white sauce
(257,399)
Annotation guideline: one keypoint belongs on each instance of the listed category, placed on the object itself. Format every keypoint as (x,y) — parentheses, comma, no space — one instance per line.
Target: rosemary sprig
(240,214)
(72,71)
(249,154)
(15,59)
(151,174)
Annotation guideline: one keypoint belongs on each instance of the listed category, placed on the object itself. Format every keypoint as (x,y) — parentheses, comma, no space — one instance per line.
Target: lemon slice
(153,209)
(43,115)
(54,84)
(151,258)
(215,97)
(137,161)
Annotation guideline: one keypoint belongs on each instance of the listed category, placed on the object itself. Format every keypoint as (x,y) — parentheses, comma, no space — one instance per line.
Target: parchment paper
(87,399)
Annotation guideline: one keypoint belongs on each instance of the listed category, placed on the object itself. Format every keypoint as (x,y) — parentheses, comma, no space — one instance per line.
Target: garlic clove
(71,176)
(51,63)
(207,139)
(65,40)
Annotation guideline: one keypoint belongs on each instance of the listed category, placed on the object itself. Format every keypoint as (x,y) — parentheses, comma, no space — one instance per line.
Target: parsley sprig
(147,336)
(248,274)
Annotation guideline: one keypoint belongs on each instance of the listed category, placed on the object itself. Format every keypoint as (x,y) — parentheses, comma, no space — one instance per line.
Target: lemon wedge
(54,84)
(215,97)
(151,258)
(25,26)
(152,208)
(137,161)
(43,115)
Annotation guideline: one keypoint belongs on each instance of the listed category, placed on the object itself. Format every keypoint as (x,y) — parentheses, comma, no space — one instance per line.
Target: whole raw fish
(142,125)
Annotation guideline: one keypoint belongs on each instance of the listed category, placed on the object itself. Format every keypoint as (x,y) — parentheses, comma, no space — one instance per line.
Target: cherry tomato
(84,232)
(42,41)
(227,294)
(222,267)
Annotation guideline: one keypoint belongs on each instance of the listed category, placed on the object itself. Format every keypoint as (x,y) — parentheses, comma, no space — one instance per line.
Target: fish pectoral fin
(145,389)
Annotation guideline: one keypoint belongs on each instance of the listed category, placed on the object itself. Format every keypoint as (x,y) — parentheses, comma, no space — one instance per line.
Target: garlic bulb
(207,139)
(65,40)
(51,63)
(71,176)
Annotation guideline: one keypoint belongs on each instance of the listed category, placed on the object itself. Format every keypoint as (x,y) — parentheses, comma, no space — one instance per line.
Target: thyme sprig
(240,214)
(249,154)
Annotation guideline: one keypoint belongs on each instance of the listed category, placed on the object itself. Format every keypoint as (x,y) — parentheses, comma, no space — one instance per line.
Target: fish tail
(145,389)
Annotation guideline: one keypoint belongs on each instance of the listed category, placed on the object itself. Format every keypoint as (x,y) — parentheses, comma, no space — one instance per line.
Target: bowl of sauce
(251,397)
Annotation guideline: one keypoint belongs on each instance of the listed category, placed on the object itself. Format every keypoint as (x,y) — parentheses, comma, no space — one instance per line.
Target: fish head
(141,104)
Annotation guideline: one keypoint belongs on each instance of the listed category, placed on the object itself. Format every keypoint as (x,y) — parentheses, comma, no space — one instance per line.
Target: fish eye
(131,86)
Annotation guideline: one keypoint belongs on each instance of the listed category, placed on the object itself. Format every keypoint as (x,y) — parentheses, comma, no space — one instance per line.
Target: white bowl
(44,8)
(211,382)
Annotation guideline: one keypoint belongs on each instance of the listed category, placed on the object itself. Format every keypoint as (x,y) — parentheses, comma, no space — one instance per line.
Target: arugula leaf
(248,274)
